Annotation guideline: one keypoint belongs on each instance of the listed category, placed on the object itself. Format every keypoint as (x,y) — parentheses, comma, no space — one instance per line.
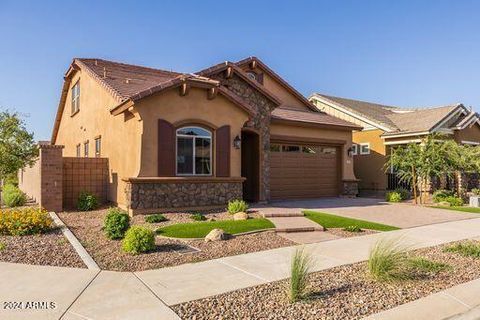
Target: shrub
(353,228)
(301,265)
(393,196)
(476,191)
(441,195)
(454,201)
(116,223)
(155,218)
(198,217)
(404,193)
(2,246)
(466,249)
(423,265)
(388,261)
(138,240)
(235,206)
(13,196)
(19,222)
(87,201)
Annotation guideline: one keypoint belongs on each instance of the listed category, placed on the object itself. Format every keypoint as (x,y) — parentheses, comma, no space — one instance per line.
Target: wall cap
(182,179)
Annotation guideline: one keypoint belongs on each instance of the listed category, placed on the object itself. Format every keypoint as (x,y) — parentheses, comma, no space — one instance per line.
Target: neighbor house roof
(316,118)
(396,120)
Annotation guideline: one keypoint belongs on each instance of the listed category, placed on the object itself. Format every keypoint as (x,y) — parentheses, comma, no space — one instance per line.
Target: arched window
(194,151)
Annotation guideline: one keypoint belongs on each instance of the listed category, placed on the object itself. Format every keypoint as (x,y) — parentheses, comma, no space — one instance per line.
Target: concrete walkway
(89,294)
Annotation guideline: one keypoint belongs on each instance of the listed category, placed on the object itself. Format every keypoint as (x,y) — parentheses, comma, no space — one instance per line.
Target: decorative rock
(240,216)
(215,235)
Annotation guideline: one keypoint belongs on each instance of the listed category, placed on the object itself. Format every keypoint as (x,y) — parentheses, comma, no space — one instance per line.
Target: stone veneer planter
(158,194)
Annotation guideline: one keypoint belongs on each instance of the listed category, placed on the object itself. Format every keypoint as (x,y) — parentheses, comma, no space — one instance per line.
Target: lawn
(462,209)
(333,221)
(201,229)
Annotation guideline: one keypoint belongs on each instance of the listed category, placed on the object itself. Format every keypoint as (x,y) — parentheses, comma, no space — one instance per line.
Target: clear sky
(404,53)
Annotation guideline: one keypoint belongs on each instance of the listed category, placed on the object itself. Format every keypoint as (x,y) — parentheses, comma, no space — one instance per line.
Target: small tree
(17,146)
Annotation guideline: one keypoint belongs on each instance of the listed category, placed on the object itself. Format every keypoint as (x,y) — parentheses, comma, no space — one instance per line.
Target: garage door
(303,171)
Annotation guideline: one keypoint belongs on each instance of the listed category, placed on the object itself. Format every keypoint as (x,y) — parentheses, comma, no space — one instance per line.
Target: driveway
(402,215)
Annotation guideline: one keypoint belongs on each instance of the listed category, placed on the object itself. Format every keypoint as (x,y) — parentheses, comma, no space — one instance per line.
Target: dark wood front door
(250,165)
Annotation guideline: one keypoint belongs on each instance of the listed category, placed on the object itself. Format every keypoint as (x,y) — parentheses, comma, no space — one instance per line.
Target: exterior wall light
(350,152)
(237,143)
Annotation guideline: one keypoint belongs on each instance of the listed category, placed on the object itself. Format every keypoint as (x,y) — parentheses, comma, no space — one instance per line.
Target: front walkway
(88,294)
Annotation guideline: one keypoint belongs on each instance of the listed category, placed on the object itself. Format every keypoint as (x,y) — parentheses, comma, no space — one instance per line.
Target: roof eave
(303,123)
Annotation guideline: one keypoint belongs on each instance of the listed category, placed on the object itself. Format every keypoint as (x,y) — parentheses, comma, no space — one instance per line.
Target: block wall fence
(55,182)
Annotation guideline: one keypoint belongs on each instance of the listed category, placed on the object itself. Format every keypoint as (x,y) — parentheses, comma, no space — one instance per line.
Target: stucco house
(196,140)
(385,127)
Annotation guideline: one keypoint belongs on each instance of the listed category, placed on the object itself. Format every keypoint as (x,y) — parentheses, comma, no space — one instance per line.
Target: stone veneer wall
(167,194)
(260,122)
(350,188)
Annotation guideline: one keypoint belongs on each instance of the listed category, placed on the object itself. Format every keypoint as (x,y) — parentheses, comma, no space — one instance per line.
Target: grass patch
(388,260)
(2,246)
(297,286)
(461,209)
(333,221)
(424,265)
(201,229)
(466,249)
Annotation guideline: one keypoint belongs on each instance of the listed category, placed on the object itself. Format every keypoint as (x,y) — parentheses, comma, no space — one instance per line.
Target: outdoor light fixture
(350,152)
(237,142)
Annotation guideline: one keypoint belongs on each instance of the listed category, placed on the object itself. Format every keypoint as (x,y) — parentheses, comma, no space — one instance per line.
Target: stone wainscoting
(350,188)
(152,194)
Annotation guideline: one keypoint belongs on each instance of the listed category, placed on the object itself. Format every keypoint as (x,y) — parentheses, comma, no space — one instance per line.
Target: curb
(86,258)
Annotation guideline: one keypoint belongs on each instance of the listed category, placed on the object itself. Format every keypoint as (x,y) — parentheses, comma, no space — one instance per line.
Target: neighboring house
(385,127)
(179,140)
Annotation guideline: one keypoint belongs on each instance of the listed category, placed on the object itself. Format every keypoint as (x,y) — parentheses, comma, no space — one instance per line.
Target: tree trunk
(414,185)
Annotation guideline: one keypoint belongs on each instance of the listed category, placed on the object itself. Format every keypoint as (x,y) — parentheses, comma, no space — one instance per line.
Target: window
(327,150)
(364,148)
(309,150)
(354,149)
(194,150)
(98,146)
(85,149)
(274,148)
(78,151)
(76,97)
(252,76)
(291,148)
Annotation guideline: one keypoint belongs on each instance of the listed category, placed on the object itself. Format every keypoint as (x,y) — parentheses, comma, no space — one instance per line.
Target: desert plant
(393,196)
(353,228)
(298,284)
(13,196)
(87,201)
(441,195)
(237,205)
(3,246)
(388,260)
(116,223)
(138,240)
(454,201)
(423,265)
(198,217)
(466,249)
(476,192)
(155,218)
(25,221)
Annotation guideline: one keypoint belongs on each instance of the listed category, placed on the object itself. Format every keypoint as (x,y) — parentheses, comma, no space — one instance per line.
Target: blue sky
(405,53)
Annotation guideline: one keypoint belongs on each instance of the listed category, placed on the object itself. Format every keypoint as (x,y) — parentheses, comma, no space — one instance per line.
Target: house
(196,140)
(385,127)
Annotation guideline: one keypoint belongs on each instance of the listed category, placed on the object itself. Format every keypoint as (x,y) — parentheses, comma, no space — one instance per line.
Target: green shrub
(404,193)
(388,261)
(13,196)
(476,191)
(393,196)
(454,201)
(298,284)
(19,222)
(155,218)
(423,265)
(87,201)
(198,217)
(11,179)
(116,223)
(441,195)
(353,228)
(466,249)
(3,246)
(235,206)
(138,240)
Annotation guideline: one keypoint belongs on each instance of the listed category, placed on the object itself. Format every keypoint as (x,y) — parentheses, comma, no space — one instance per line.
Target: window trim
(194,174)
(98,152)
(86,149)
(78,150)
(367,144)
(75,100)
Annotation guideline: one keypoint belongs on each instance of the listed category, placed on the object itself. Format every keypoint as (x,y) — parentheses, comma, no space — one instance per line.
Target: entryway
(251,165)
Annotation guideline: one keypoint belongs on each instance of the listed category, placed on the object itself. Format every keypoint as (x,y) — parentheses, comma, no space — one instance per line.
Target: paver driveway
(403,215)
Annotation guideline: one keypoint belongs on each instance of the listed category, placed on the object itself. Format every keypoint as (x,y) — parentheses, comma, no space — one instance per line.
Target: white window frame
(98,143)
(78,150)
(193,153)
(86,149)
(367,144)
(354,149)
(76,97)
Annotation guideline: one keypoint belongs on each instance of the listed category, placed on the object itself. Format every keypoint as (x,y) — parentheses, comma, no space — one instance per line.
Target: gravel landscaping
(50,248)
(87,227)
(344,292)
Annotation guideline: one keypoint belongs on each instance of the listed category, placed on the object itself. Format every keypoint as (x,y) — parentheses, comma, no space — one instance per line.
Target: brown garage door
(303,171)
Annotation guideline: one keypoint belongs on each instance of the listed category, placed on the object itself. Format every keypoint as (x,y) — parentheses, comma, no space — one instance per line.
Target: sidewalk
(89,294)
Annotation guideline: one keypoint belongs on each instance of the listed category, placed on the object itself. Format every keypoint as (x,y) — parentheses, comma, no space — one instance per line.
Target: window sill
(73,114)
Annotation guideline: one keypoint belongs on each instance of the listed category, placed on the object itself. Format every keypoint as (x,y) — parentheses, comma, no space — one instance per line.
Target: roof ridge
(131,65)
(357,100)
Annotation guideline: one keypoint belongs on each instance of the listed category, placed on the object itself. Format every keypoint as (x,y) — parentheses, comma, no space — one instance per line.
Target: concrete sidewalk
(89,294)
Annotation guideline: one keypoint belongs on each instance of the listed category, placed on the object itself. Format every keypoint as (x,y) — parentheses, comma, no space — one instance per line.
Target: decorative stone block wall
(350,188)
(165,194)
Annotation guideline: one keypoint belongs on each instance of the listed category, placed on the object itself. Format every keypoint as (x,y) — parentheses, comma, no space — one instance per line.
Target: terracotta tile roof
(312,117)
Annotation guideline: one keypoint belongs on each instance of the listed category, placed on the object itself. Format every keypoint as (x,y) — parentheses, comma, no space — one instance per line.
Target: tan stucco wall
(318,133)
(369,168)
(120,139)
(29,181)
(172,107)
(471,134)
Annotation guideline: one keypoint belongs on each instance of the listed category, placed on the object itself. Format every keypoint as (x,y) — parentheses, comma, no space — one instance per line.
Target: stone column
(51,177)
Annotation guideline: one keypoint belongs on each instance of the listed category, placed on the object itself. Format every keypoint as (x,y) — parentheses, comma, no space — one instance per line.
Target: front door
(250,165)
